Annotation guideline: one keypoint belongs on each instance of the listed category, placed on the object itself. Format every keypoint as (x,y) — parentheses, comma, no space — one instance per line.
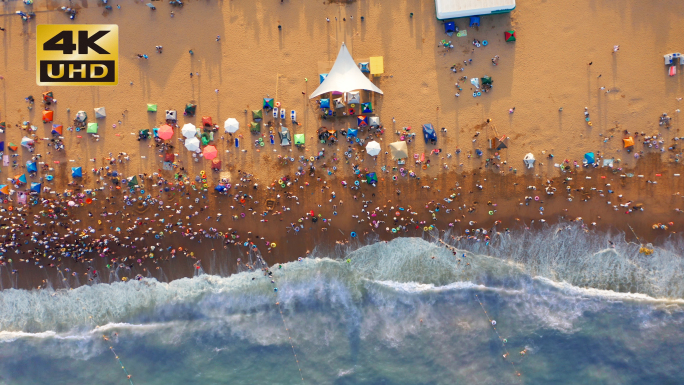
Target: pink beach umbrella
(210,152)
(165,132)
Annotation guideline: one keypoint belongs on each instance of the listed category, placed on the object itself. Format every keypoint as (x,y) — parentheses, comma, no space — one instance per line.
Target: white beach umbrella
(373,148)
(192,144)
(189,130)
(529,160)
(231,125)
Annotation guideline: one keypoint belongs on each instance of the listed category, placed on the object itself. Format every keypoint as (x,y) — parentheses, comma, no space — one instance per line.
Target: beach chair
(282,113)
(293,115)
(275,113)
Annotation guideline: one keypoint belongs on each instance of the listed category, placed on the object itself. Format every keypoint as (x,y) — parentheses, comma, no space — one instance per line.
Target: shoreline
(510,190)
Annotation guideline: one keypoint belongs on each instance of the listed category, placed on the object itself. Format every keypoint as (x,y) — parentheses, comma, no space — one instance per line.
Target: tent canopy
(151,107)
(57,129)
(268,103)
(628,142)
(299,139)
(399,150)
(429,132)
(76,172)
(31,166)
(35,187)
(47,116)
(509,35)
(590,158)
(345,76)
(100,113)
(92,128)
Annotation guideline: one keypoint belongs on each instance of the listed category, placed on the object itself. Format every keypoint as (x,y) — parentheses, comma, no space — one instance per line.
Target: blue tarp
(35,187)
(429,132)
(353,132)
(590,158)
(450,27)
(76,172)
(31,166)
(325,103)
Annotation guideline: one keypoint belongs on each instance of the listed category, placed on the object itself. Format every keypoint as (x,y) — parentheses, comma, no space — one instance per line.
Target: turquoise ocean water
(402,312)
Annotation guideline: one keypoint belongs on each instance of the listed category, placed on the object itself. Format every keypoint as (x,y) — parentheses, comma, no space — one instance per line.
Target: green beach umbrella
(133,182)
(151,107)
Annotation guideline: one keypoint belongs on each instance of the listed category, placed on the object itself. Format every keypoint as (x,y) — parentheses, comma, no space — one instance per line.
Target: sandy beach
(541,85)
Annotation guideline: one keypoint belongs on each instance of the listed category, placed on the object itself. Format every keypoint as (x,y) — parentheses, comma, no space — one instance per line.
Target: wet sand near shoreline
(506,192)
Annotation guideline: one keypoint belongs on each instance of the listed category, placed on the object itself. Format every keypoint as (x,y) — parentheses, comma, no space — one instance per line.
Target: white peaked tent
(100,113)
(345,76)
(529,160)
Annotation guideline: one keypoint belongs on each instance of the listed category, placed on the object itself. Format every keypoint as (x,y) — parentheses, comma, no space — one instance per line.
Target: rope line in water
(120,363)
(503,341)
(280,309)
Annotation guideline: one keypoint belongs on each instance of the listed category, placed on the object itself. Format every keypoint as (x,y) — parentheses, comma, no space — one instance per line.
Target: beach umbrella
(76,172)
(47,116)
(151,107)
(133,181)
(373,148)
(92,128)
(189,130)
(361,121)
(231,125)
(268,103)
(100,113)
(26,142)
(299,139)
(4,189)
(12,146)
(352,132)
(31,166)
(529,160)
(366,108)
(35,187)
(209,152)
(255,127)
(81,116)
(57,129)
(509,35)
(165,132)
(192,144)
(71,203)
(399,150)
(20,179)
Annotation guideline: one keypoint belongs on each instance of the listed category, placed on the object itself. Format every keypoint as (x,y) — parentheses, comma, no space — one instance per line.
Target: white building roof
(450,9)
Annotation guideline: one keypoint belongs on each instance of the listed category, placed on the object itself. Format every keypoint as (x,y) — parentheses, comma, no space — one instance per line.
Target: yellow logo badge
(77,55)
